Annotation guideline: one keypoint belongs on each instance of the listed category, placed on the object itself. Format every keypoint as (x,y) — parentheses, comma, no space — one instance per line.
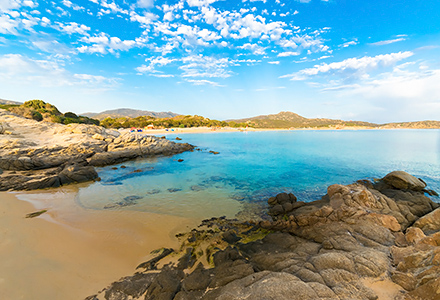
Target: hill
(130,113)
(39,110)
(414,125)
(287,119)
(9,102)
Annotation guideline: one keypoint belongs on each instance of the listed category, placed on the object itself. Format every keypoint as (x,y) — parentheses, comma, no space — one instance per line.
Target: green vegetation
(292,120)
(178,121)
(8,106)
(39,110)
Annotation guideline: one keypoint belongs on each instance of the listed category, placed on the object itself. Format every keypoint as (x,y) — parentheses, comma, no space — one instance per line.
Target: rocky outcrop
(326,249)
(36,155)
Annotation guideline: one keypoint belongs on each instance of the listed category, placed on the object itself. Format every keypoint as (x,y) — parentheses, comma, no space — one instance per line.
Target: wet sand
(70,252)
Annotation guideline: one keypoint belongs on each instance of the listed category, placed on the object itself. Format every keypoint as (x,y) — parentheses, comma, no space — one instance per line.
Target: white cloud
(72,5)
(73,27)
(288,53)
(200,3)
(145,3)
(146,19)
(203,82)
(30,3)
(205,66)
(103,43)
(20,70)
(94,79)
(409,95)
(351,67)
(6,5)
(8,25)
(256,49)
(153,62)
(273,62)
(112,8)
(348,44)
(381,43)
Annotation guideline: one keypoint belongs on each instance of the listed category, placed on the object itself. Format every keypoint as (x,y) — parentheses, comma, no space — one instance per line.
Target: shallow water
(253,166)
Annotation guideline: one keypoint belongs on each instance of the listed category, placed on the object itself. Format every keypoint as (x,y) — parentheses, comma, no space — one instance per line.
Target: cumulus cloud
(6,5)
(154,62)
(8,25)
(254,48)
(205,66)
(200,2)
(73,27)
(352,67)
(103,43)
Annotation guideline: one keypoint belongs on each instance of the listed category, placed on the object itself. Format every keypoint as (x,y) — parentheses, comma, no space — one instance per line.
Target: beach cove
(97,231)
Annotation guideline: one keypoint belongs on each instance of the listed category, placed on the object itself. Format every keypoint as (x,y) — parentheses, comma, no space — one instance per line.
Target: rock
(282,198)
(77,173)
(180,160)
(405,280)
(36,214)
(324,249)
(39,162)
(414,235)
(404,181)
(429,223)
(196,188)
(269,285)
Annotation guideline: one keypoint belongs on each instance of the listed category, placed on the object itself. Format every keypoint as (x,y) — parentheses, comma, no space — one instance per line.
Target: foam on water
(253,166)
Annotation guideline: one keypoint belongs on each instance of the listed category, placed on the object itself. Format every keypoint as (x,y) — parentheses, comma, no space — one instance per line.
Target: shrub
(37,116)
(69,120)
(57,119)
(70,115)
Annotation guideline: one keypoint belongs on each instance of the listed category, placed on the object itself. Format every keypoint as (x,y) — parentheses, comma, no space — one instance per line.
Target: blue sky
(372,60)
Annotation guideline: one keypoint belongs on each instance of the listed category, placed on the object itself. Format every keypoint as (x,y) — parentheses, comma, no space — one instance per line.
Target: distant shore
(163,131)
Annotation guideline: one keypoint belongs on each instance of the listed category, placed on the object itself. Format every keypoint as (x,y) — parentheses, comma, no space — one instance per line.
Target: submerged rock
(318,250)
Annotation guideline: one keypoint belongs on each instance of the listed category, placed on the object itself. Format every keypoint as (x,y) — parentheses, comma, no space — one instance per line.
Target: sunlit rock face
(37,155)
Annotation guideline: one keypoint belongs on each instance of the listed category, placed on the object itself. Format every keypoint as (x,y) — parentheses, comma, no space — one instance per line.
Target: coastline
(175,130)
(70,252)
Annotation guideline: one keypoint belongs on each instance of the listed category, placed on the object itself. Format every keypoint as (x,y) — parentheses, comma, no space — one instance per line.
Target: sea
(252,166)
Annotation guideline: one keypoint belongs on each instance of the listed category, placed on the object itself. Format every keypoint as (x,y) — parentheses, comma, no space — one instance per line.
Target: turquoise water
(253,166)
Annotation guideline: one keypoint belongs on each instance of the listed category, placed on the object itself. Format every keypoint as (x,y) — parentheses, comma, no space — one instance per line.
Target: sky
(376,60)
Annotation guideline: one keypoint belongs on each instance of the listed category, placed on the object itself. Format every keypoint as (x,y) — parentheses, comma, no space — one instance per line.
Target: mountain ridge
(286,119)
(128,112)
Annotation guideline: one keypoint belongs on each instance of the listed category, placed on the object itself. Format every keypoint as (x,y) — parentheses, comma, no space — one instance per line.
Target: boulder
(404,181)
(429,223)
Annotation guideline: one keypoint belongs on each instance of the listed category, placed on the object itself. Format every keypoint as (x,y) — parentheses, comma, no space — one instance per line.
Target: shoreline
(193,130)
(70,252)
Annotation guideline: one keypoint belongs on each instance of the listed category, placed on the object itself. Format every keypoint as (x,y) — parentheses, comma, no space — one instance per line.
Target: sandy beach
(70,252)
